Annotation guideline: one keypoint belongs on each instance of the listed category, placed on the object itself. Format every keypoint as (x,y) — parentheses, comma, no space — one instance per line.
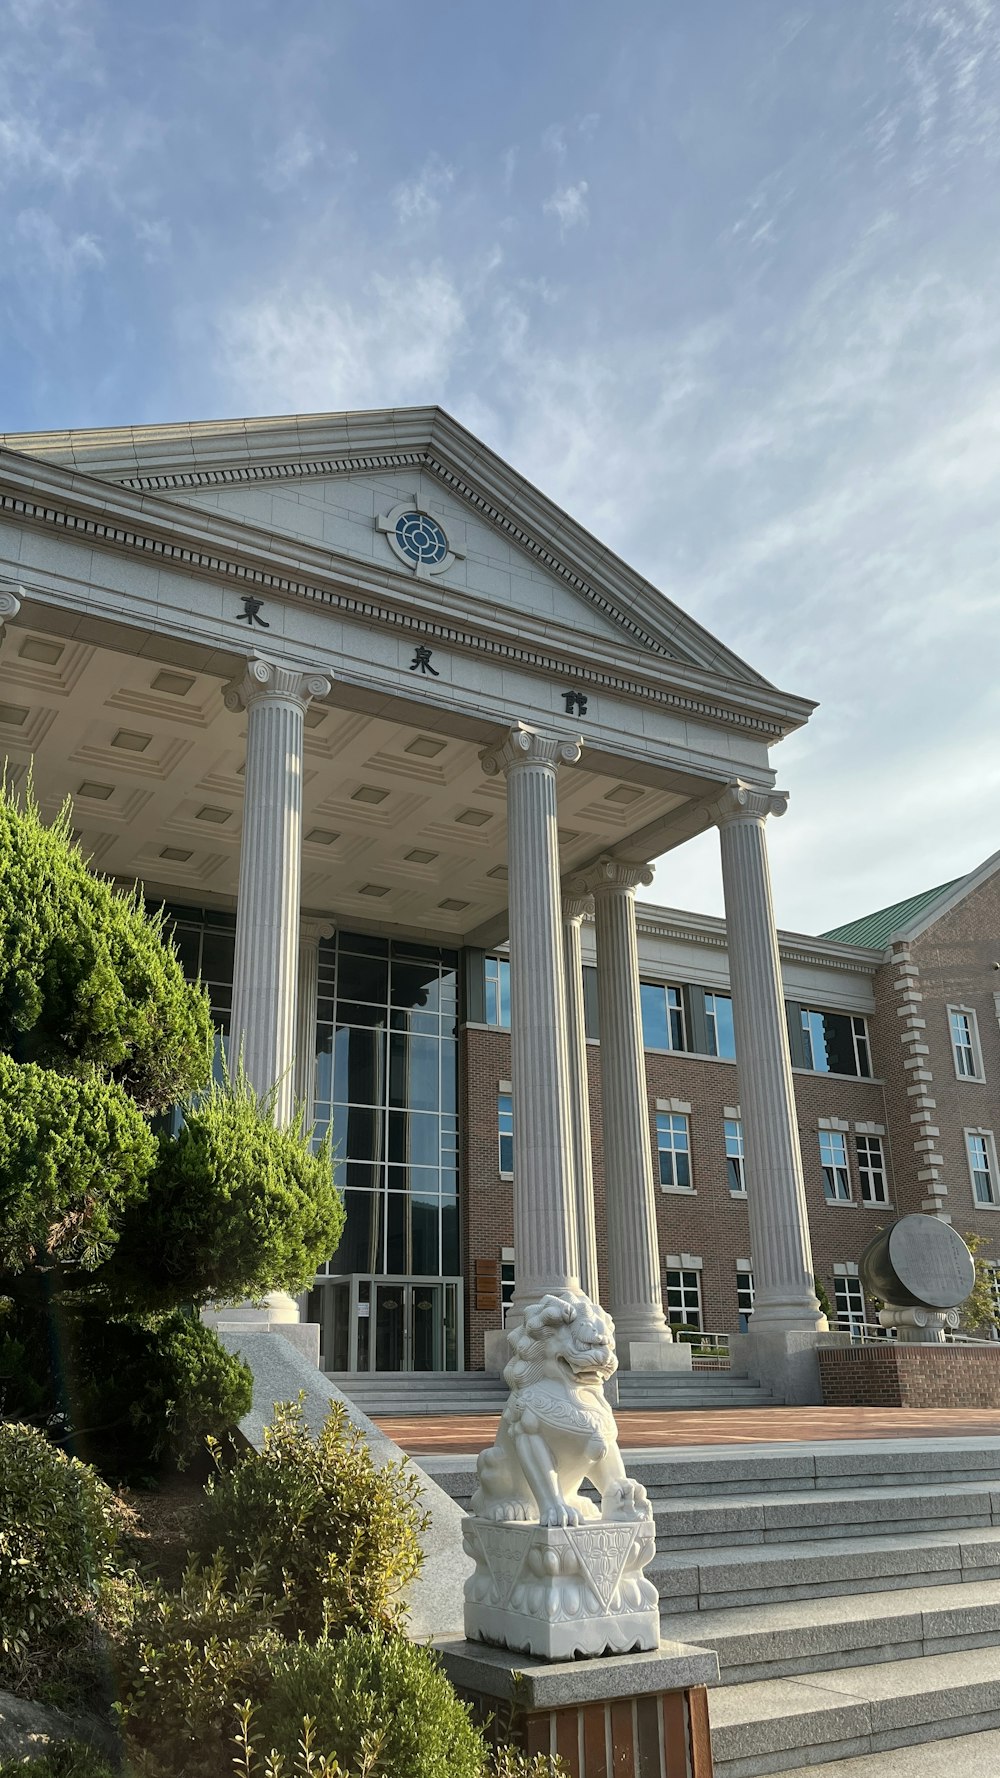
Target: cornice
(124,521)
(794,947)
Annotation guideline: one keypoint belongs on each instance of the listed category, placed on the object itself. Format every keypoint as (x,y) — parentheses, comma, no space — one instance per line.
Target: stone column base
(496,1351)
(557,1592)
(781,1359)
(244,1318)
(658,1355)
(638,1715)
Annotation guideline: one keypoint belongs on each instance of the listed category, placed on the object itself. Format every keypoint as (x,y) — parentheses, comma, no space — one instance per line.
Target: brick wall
(707,1223)
(894,1376)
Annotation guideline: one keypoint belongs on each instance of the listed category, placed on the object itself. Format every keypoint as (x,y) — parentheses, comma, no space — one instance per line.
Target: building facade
(395,740)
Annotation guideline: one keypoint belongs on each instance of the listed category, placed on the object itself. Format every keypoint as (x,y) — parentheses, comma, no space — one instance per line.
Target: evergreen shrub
(59,1533)
(378,1698)
(235,1207)
(317,1518)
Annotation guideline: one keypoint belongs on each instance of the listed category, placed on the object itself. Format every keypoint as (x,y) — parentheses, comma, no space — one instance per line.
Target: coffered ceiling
(401,827)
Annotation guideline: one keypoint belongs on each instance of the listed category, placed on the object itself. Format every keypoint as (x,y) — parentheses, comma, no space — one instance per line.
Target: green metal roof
(877,929)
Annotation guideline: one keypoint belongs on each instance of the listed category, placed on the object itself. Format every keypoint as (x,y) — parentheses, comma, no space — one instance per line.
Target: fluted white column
(636,1298)
(266,964)
(573,909)
(784,1296)
(544,1212)
(311,931)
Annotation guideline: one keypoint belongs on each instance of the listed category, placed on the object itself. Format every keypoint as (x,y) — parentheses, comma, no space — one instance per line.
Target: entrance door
(409,1327)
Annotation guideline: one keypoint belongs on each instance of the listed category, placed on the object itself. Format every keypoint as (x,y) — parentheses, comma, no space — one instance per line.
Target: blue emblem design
(421,538)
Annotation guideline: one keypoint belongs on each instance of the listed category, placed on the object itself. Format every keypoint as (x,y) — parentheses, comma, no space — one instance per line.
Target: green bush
(186,1663)
(59,1533)
(149,1390)
(375,1697)
(317,1516)
(73,1153)
(87,979)
(235,1207)
(66,1759)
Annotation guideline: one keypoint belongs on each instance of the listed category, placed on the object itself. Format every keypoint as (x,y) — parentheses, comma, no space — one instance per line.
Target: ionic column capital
(576,905)
(267,680)
(610,875)
(746,802)
(314,928)
(526,746)
(10,603)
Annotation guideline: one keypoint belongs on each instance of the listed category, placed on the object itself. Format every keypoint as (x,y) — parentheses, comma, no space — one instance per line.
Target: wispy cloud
(568,204)
(418,200)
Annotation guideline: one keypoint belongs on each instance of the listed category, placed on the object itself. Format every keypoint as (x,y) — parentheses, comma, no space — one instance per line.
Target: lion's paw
(626,1500)
(560,1514)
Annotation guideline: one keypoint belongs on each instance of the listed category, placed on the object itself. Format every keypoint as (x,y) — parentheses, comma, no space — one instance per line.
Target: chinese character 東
(575,702)
(421,662)
(251,613)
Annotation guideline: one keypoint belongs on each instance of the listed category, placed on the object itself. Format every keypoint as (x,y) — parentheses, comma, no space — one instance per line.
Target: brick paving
(463,1433)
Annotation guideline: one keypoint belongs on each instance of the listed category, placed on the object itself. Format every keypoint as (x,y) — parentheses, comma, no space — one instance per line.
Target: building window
(505,1133)
(506,1281)
(849,1300)
(719,1020)
(871,1170)
(498,992)
(662,1017)
(744,1299)
(673,1143)
(835,1043)
(833,1156)
(965,1043)
(734,1157)
(993,1279)
(982,1166)
(684,1299)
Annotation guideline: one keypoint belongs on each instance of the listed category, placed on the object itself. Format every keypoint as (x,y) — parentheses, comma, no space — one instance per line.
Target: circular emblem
(416,539)
(421,538)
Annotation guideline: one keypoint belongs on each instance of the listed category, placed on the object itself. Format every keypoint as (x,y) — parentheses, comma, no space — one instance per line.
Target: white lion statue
(557,1429)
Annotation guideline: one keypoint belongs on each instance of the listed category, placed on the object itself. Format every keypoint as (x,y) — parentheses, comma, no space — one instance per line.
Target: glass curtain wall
(386,1083)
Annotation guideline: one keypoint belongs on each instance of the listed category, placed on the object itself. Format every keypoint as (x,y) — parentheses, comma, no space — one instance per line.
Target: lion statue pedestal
(558,1574)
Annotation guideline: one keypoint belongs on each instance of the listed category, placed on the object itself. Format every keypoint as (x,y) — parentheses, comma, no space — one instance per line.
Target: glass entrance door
(388,1324)
(409,1327)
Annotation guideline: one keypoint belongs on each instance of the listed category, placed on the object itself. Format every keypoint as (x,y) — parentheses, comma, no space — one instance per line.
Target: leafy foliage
(73,1153)
(59,1534)
(66,1759)
(319,1521)
(186,1663)
(373,1698)
(87,979)
(152,1387)
(979,1311)
(235,1207)
(826,1307)
(105,1226)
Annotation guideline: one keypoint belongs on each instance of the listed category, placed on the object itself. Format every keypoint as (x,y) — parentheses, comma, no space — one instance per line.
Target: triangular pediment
(334,481)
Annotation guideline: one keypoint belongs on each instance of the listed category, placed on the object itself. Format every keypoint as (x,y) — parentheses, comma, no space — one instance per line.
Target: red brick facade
(894,1376)
(954,964)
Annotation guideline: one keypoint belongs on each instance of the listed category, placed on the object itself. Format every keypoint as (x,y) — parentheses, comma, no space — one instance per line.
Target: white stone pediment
(341,513)
(325,479)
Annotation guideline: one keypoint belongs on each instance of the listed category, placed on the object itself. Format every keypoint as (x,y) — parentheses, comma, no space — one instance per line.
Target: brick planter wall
(892,1376)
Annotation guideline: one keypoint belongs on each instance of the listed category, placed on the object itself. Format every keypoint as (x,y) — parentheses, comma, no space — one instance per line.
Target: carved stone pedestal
(919,1326)
(634,1716)
(560,1592)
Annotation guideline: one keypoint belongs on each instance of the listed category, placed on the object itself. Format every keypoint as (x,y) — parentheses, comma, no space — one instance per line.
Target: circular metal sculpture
(918,1262)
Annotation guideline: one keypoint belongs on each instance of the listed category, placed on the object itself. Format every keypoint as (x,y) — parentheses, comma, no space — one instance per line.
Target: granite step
(975,1756)
(736,1576)
(683,1522)
(806,1635)
(775,1725)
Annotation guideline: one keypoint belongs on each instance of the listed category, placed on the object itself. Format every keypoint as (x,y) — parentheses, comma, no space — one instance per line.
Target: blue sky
(721,276)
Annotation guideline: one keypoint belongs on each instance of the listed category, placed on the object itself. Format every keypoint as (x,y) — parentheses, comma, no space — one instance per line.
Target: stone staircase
(381,1393)
(851,1591)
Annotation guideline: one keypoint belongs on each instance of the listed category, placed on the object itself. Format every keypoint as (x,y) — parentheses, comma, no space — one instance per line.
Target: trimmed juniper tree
(114,1227)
